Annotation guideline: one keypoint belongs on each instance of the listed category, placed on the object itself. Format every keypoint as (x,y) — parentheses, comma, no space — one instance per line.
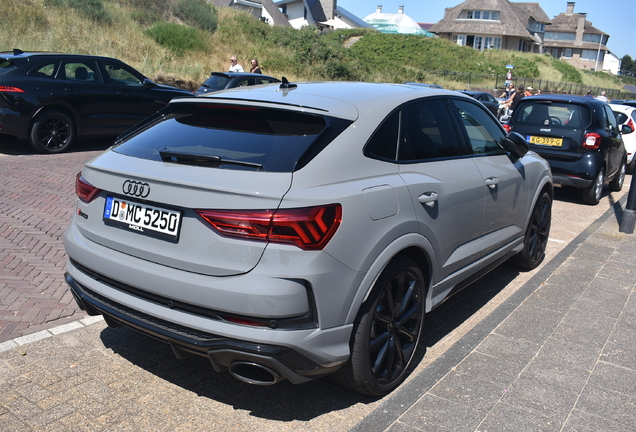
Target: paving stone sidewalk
(558,355)
(37,196)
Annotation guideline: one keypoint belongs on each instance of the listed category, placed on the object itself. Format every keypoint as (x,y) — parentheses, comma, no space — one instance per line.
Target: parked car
(626,115)
(51,99)
(300,230)
(488,100)
(579,137)
(225,80)
(631,103)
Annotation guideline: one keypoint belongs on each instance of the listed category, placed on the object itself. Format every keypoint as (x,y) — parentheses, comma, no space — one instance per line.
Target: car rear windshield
(552,113)
(6,66)
(232,137)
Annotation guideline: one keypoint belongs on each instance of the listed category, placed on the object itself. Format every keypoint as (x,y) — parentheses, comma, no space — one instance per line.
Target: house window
(592,38)
(478,43)
(483,15)
(560,36)
(592,54)
(497,43)
(555,53)
(537,27)
(488,43)
(460,40)
(568,53)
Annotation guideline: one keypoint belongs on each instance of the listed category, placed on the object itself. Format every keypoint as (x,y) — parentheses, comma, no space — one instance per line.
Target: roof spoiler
(17,51)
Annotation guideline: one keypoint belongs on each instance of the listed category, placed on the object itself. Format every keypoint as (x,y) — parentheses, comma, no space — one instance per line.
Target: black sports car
(51,99)
(488,100)
(225,80)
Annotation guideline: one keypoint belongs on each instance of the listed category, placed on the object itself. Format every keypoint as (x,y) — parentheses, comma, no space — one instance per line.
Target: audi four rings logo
(135,188)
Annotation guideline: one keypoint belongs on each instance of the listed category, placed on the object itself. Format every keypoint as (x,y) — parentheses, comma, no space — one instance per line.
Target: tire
(592,194)
(535,240)
(630,168)
(387,331)
(52,131)
(617,184)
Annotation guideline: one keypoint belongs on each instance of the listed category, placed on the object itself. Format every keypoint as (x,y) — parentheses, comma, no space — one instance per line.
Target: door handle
(492,182)
(70,89)
(428,198)
(122,94)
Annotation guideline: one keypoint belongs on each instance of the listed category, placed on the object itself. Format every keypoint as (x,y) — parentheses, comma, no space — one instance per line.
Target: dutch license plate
(556,142)
(143,218)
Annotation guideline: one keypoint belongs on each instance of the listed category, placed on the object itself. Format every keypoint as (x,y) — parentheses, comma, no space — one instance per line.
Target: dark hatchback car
(225,80)
(51,99)
(579,137)
(488,100)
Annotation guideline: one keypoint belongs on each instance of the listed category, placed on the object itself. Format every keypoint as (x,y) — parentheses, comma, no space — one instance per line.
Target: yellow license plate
(557,142)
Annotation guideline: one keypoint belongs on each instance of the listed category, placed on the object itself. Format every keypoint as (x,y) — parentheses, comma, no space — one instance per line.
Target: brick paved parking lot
(37,196)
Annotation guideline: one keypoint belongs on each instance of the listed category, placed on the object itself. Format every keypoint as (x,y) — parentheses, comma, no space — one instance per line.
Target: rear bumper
(13,123)
(564,180)
(223,352)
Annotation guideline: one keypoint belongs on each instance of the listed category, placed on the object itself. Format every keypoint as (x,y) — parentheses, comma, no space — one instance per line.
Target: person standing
(529,91)
(234,66)
(255,68)
(520,94)
(602,97)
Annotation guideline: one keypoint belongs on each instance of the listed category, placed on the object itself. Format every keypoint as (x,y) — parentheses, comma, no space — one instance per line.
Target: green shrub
(177,38)
(569,72)
(93,9)
(197,13)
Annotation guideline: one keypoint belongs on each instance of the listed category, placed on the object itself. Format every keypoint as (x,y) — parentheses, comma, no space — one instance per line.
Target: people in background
(589,94)
(602,97)
(529,91)
(255,68)
(234,66)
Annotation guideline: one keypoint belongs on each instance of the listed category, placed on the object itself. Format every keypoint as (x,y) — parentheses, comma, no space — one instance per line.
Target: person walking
(234,66)
(255,68)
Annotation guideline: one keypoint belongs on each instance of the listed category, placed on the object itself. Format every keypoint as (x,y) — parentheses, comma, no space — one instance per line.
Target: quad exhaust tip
(254,373)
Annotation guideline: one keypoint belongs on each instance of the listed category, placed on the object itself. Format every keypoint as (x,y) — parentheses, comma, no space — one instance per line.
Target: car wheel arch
(56,107)
(414,245)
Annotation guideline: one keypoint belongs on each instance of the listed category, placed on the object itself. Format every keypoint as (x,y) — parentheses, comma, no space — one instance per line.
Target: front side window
(427,133)
(121,75)
(483,132)
(610,120)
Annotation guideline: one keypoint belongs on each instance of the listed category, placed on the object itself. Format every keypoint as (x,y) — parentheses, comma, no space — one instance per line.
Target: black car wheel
(537,233)
(52,132)
(617,184)
(387,332)
(592,194)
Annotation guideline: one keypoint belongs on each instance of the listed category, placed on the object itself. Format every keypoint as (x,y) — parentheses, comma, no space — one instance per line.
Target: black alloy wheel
(52,132)
(388,331)
(535,241)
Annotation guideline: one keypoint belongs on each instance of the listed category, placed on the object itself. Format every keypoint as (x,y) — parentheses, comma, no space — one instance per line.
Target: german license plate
(556,142)
(142,218)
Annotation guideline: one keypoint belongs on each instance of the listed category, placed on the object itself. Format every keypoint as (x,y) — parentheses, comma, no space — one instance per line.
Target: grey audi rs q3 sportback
(291,231)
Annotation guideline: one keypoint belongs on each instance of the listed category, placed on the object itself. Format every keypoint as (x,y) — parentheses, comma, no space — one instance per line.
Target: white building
(395,23)
(321,13)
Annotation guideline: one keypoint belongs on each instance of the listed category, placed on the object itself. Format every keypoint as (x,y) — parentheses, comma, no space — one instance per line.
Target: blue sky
(611,16)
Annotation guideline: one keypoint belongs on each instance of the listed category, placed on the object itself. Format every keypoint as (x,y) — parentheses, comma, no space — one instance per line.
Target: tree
(628,66)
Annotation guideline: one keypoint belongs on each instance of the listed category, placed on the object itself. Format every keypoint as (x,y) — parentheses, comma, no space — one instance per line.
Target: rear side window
(232,137)
(552,114)
(6,66)
(45,71)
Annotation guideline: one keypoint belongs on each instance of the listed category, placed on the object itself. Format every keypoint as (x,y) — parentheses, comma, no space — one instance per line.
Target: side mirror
(515,144)
(148,84)
(625,129)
